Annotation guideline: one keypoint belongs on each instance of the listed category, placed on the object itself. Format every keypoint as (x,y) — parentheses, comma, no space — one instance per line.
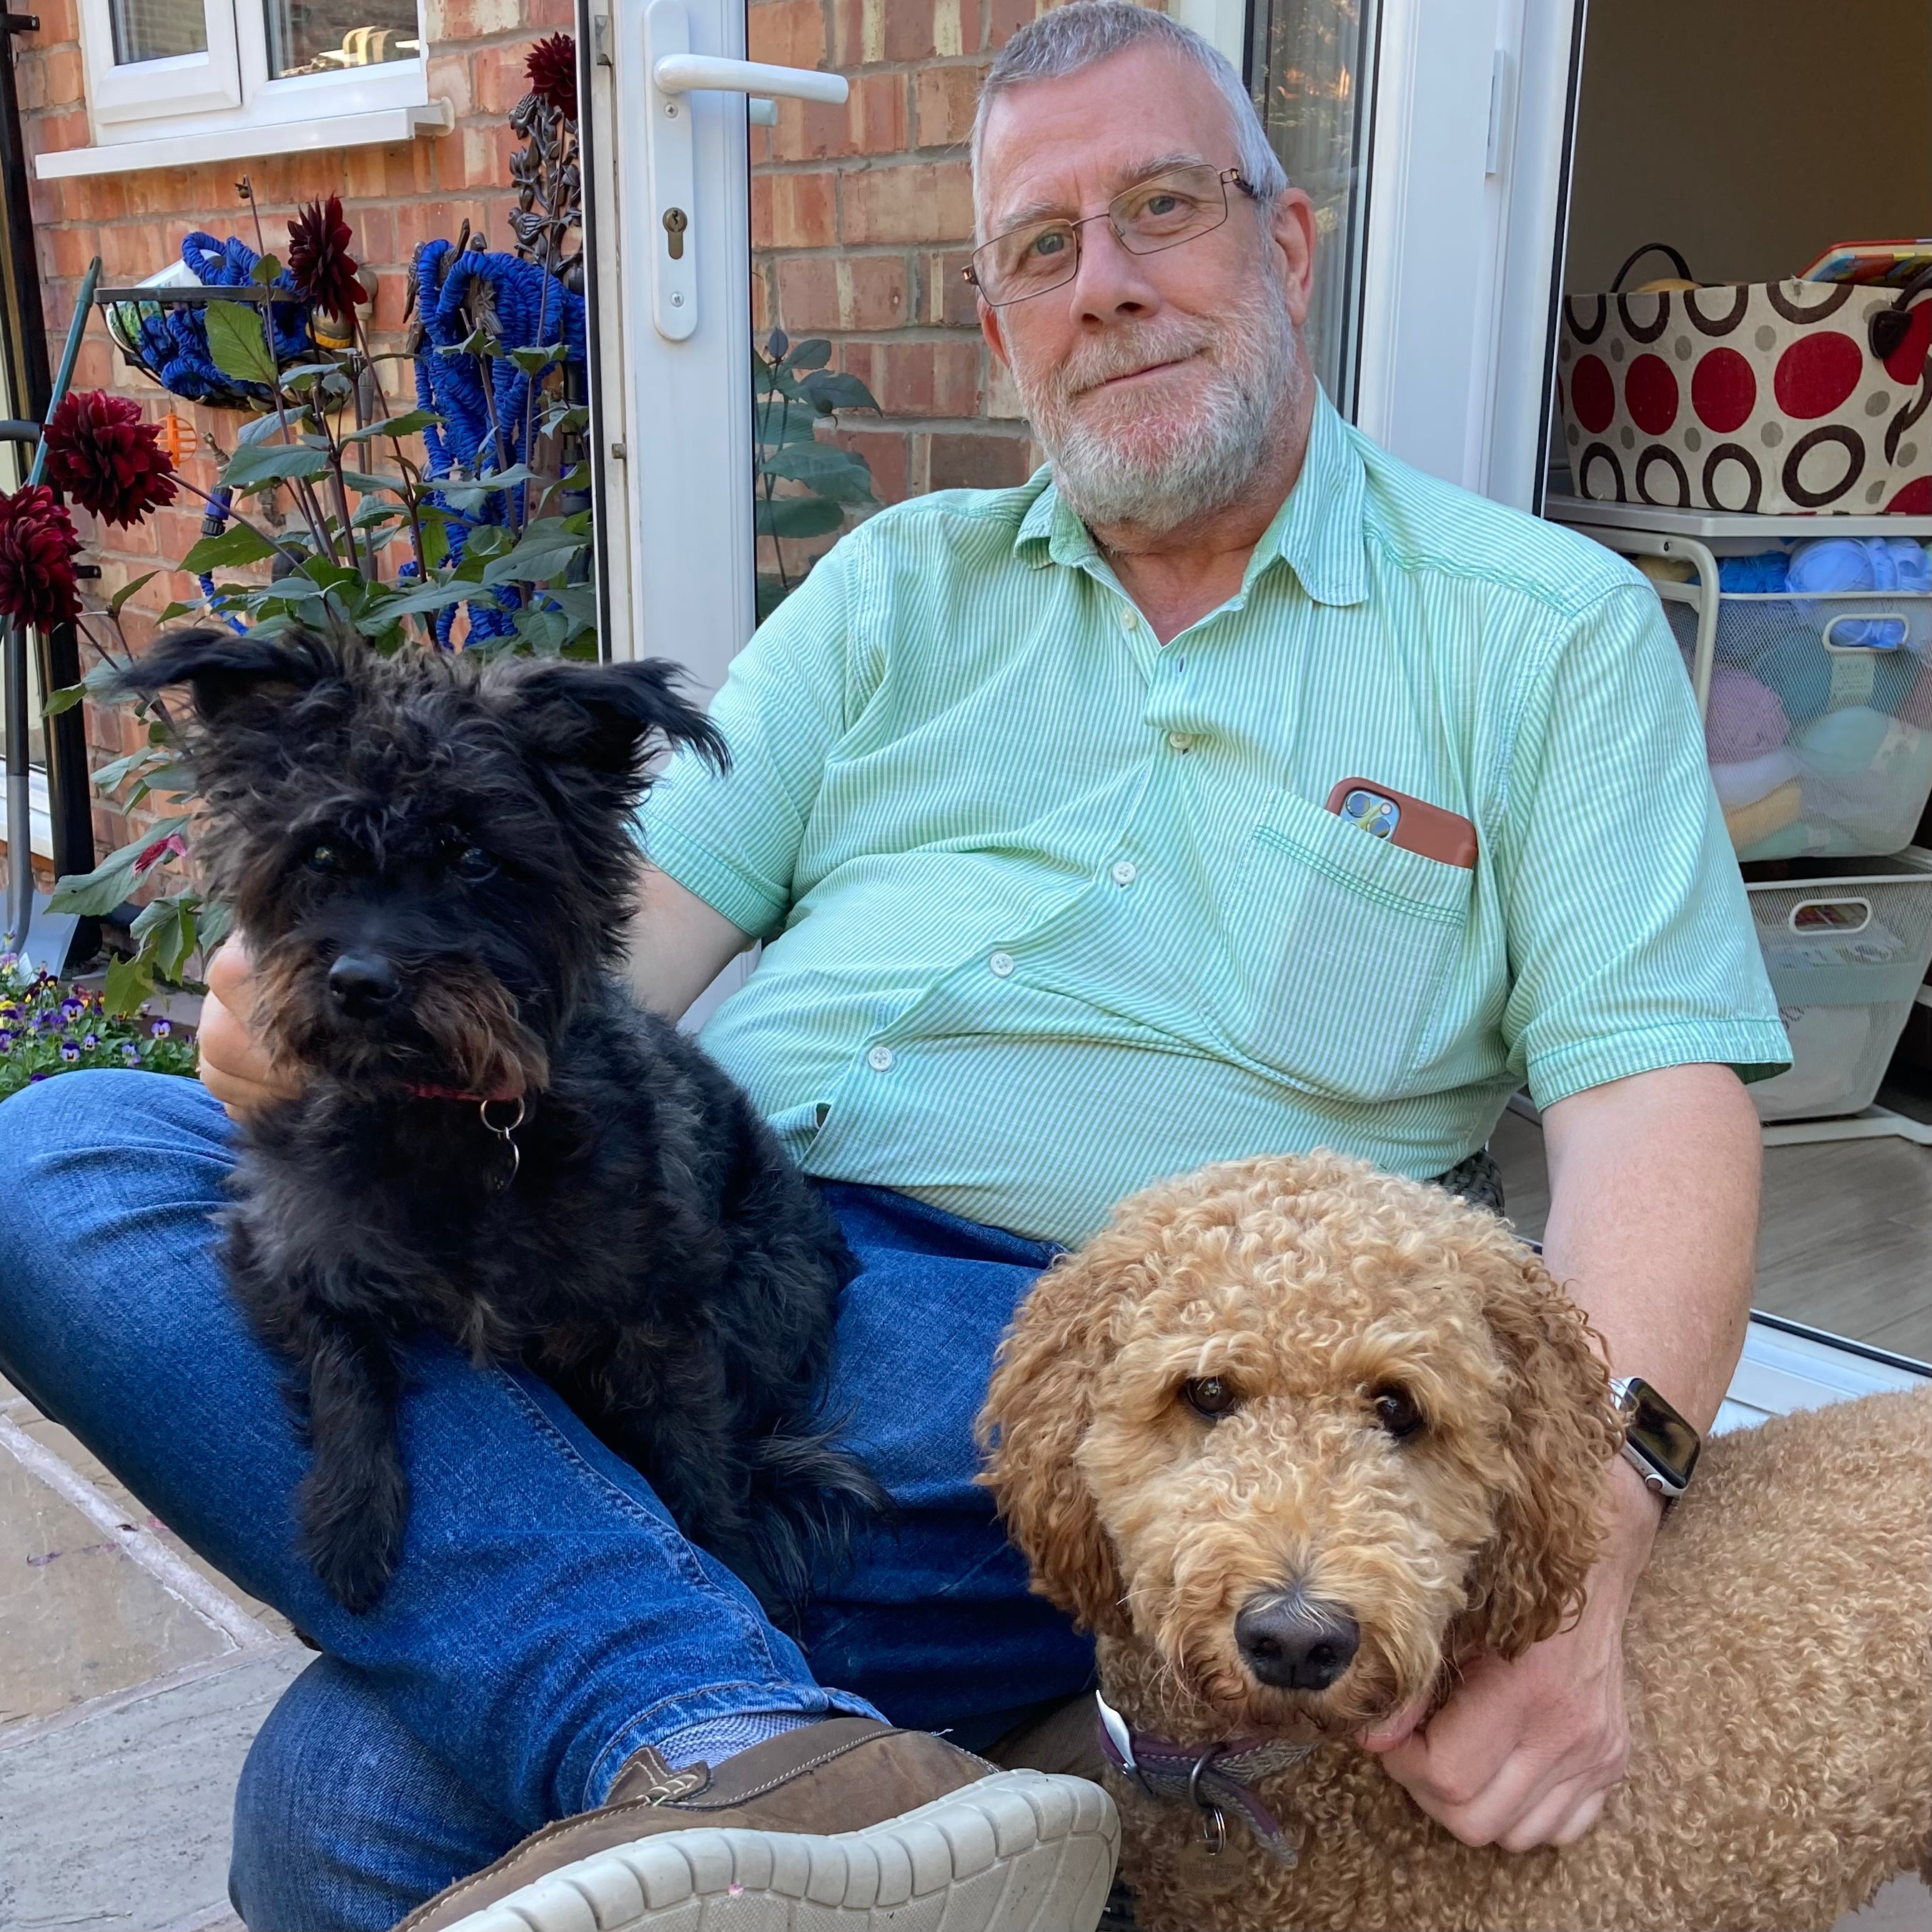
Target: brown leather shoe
(856,1819)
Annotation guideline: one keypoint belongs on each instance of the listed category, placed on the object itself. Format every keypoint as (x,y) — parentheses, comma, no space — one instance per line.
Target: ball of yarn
(1745,719)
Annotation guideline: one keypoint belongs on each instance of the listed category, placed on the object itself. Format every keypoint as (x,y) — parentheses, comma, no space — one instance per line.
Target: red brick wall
(394,197)
(861,219)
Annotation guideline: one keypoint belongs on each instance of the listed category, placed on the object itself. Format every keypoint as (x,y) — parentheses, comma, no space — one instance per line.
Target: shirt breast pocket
(1342,943)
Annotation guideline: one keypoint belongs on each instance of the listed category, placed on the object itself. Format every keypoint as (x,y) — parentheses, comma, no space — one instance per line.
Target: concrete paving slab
(69,1448)
(117,1820)
(81,1619)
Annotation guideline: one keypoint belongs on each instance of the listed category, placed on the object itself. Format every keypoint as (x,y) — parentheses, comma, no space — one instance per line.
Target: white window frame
(226,95)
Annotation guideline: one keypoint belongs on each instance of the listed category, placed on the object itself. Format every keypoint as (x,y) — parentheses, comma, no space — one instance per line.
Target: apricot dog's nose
(1295,1644)
(363,984)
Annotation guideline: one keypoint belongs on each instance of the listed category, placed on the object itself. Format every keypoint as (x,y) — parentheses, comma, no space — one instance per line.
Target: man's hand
(1524,1754)
(235,1066)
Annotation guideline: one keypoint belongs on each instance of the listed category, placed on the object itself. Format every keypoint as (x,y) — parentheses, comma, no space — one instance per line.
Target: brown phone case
(1421,827)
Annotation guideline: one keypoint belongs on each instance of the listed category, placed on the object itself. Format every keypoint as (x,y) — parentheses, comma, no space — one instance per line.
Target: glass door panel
(861,219)
(1311,64)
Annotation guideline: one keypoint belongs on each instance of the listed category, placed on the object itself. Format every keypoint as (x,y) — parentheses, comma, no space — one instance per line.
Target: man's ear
(1563,1433)
(1292,229)
(1038,1408)
(605,718)
(221,667)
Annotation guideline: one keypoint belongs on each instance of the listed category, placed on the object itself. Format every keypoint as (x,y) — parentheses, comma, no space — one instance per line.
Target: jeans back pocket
(1341,943)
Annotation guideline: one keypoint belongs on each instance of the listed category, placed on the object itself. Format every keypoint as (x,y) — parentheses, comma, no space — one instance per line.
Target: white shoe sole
(1018,1851)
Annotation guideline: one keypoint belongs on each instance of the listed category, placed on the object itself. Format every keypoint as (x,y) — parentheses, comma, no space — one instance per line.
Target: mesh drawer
(1819,723)
(1845,956)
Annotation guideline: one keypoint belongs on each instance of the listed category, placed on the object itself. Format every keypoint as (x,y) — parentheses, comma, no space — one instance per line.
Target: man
(1027,805)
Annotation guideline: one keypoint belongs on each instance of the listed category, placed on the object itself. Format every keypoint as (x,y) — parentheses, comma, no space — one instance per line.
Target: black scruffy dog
(433,863)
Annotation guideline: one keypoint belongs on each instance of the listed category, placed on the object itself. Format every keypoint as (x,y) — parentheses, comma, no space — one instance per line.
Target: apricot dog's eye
(1210,1396)
(1396,1411)
(473,863)
(324,859)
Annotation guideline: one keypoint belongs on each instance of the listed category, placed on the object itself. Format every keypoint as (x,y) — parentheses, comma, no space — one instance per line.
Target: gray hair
(1066,39)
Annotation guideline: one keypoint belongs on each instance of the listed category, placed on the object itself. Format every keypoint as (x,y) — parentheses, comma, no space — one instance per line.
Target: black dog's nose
(361,984)
(1295,1644)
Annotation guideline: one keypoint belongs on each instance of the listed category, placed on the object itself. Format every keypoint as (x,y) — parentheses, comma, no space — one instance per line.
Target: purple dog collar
(1208,1778)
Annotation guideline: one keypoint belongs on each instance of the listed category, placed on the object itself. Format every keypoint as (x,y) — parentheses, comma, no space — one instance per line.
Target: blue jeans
(546,1618)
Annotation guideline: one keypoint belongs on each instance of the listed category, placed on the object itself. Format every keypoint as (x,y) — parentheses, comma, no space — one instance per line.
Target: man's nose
(1294,1643)
(1111,280)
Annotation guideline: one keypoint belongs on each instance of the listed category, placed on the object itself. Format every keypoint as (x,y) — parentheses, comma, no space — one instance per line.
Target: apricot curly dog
(1295,1439)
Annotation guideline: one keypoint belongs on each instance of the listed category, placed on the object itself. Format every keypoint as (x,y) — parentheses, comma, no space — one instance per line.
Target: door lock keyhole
(675,222)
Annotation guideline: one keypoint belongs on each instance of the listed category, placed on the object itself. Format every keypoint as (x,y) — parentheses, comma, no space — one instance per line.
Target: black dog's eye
(324,859)
(1210,1396)
(1396,1411)
(471,863)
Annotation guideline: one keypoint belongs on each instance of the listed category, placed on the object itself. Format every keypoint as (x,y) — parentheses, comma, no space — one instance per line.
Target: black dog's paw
(353,1540)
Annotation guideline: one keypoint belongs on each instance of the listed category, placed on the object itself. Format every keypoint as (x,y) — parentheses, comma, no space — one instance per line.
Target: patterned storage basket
(1763,397)
(1845,956)
(1819,720)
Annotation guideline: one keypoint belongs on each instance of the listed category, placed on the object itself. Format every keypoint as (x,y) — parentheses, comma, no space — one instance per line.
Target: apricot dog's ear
(1562,1433)
(1038,1409)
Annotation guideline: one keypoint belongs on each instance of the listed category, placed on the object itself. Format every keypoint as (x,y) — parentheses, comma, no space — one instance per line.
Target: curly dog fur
(1779,1651)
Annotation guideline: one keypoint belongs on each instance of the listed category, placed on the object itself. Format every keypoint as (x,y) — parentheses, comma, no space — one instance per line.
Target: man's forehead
(1049,144)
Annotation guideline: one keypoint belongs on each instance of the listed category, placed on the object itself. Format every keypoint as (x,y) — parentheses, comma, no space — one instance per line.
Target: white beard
(1119,465)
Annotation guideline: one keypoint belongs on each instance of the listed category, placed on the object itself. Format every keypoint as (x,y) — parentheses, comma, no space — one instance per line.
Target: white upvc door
(1473,123)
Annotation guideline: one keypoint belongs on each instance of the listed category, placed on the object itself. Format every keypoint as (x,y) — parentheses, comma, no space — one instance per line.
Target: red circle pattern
(1650,394)
(1816,373)
(1592,394)
(1723,392)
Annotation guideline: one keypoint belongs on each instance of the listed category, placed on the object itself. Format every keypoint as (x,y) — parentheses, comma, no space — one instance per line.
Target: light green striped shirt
(1050,910)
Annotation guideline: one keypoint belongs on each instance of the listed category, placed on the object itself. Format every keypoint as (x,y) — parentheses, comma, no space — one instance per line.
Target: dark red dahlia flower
(320,263)
(103,455)
(552,68)
(38,585)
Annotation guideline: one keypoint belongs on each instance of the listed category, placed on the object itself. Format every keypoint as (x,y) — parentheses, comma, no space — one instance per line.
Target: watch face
(1659,1432)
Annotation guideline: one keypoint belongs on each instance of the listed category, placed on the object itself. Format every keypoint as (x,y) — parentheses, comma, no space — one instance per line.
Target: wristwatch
(1658,1443)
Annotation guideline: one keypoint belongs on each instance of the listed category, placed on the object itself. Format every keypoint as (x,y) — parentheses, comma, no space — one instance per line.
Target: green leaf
(565,419)
(807,356)
(265,270)
(178,609)
(111,775)
(392,611)
(545,551)
(129,985)
(165,928)
(534,361)
(411,422)
(92,894)
(127,589)
(299,375)
(828,390)
(236,343)
(487,540)
(259,429)
(478,342)
(262,463)
(828,470)
(236,545)
(65,699)
(796,517)
(369,482)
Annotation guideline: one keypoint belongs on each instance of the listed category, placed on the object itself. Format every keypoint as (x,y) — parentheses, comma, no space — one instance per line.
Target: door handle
(673,72)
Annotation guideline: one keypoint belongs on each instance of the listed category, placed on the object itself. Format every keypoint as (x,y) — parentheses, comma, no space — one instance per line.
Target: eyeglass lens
(1163,211)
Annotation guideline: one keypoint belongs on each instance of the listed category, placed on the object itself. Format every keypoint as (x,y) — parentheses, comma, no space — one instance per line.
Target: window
(177,81)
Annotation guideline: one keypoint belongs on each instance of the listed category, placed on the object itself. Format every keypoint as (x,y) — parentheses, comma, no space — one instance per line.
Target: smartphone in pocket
(1413,823)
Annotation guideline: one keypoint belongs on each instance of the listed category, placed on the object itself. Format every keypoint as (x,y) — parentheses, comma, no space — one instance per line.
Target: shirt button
(1181,741)
(1123,872)
(1002,964)
(1128,619)
(880,1059)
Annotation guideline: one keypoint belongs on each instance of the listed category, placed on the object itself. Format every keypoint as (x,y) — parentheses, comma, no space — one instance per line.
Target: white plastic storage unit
(1846,953)
(1818,718)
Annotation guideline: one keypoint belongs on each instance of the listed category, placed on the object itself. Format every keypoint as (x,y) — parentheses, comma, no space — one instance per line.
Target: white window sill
(381,126)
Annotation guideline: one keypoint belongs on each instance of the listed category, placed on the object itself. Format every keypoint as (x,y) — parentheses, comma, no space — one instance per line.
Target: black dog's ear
(603,716)
(222,667)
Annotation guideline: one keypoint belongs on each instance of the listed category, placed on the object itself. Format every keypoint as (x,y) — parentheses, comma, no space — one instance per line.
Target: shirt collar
(1317,532)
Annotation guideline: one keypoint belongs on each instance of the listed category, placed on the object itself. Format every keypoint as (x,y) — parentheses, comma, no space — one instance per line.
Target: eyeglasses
(1176,205)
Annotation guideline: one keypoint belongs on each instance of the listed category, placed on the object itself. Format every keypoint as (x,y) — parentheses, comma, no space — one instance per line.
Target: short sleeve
(1631,942)
(734,840)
